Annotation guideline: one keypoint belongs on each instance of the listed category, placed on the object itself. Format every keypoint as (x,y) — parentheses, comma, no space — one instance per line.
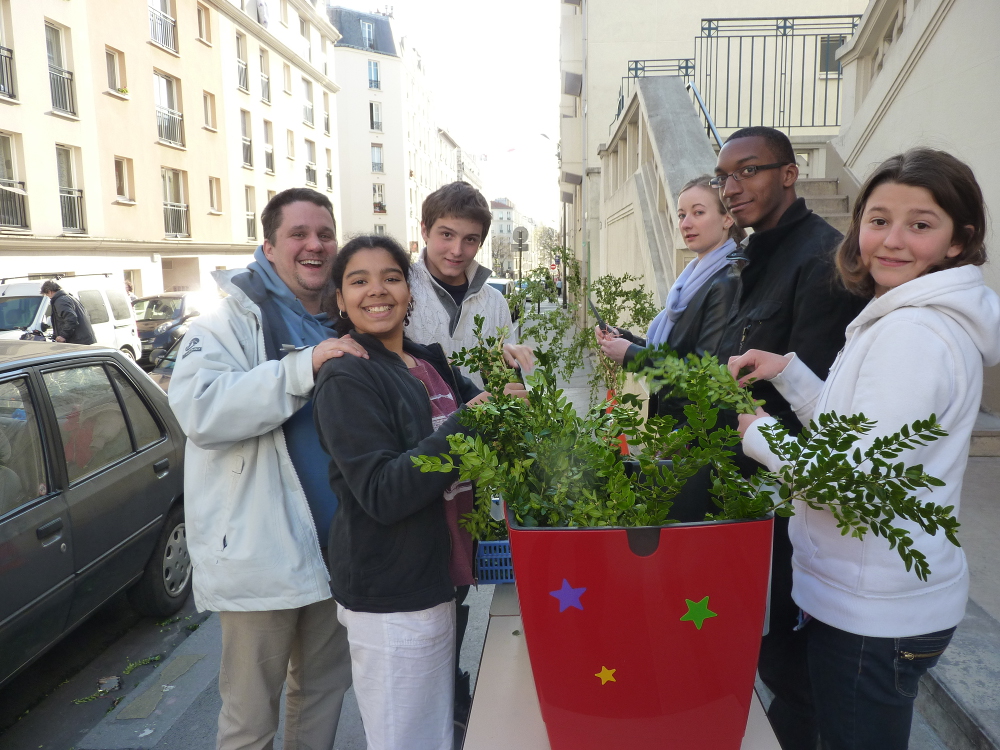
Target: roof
(21,351)
(500,204)
(348,23)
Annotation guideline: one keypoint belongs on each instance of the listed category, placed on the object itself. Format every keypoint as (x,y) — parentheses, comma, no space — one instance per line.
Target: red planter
(644,638)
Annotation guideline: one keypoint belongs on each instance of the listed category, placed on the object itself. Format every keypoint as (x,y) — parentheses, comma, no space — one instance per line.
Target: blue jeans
(863,688)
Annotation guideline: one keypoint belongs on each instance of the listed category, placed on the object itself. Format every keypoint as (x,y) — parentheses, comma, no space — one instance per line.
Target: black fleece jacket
(70,320)
(389,545)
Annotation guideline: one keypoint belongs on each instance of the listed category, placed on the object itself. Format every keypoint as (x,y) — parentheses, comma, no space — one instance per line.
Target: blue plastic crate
(493,563)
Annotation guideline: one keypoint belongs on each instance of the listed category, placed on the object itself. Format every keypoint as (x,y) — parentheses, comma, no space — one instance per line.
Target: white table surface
(505,712)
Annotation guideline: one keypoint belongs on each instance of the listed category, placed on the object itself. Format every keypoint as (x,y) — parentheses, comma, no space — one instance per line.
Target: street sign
(552,266)
(520,235)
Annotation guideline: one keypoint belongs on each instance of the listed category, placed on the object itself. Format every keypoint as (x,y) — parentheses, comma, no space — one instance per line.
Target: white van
(23,308)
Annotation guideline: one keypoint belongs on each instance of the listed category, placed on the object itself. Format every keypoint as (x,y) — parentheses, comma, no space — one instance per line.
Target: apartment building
(145,139)
(393,151)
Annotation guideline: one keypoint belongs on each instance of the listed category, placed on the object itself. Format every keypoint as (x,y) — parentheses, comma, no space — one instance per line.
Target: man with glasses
(789,300)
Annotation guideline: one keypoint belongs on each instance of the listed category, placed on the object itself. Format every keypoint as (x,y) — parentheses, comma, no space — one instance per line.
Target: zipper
(910,656)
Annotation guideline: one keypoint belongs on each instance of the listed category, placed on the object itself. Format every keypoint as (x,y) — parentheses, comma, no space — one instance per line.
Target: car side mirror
(45,326)
(156,356)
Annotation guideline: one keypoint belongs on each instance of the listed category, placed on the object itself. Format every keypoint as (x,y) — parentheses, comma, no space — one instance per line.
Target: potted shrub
(644,632)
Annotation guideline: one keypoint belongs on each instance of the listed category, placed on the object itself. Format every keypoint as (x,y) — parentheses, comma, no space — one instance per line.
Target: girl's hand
(614,348)
(516,389)
(760,365)
(745,420)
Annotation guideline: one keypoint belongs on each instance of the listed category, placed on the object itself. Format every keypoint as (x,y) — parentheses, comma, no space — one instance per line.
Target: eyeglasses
(743,173)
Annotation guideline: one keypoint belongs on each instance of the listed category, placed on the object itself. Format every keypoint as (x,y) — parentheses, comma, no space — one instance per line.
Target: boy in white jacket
(918,348)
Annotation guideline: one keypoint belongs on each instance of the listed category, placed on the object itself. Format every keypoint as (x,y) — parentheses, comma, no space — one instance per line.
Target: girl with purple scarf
(697,305)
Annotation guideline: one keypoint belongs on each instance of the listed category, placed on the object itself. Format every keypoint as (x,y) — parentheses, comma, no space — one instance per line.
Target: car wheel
(127,351)
(166,582)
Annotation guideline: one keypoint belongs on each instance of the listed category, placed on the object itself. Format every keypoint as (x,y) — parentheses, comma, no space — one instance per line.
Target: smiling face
(374,294)
(303,250)
(703,225)
(904,233)
(758,201)
(452,244)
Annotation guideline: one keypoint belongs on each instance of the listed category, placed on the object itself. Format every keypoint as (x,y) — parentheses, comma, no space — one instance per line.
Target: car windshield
(18,312)
(157,308)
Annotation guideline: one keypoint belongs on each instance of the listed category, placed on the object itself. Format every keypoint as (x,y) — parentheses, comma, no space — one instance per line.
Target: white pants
(404,676)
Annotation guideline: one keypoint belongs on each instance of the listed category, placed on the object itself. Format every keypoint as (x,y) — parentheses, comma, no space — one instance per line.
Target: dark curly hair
(361,242)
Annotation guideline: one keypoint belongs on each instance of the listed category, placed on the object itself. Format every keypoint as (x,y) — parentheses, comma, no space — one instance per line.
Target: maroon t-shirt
(458,497)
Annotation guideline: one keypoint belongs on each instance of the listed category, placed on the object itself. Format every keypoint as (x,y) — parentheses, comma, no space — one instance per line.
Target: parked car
(162,318)
(163,361)
(506,288)
(91,484)
(23,308)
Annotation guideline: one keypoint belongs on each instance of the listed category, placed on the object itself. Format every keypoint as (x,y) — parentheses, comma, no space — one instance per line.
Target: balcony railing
(71,207)
(373,83)
(265,88)
(61,86)
(329,179)
(378,207)
(310,174)
(377,125)
(251,225)
(13,212)
(377,166)
(162,29)
(247,152)
(307,113)
(777,72)
(242,76)
(326,123)
(175,219)
(7,73)
(682,67)
(269,159)
(170,125)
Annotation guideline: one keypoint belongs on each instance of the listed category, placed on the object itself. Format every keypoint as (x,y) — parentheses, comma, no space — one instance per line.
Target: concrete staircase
(822,197)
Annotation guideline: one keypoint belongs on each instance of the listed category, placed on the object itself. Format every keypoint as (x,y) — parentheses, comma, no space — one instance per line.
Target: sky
(494,72)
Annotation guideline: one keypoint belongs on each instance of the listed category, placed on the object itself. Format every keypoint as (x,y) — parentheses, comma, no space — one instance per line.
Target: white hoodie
(916,350)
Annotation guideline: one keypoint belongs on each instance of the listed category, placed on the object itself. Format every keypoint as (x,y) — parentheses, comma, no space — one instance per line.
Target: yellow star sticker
(606,675)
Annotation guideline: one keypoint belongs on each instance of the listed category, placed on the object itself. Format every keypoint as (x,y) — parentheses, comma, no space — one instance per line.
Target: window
(326,113)
(204,24)
(375,115)
(287,71)
(215,195)
(377,164)
(828,64)
(91,423)
(329,171)
(290,138)
(270,194)
(121,308)
(208,100)
(115,62)
(169,121)
(307,106)
(284,12)
(251,204)
(373,80)
(310,162)
(380,229)
(60,79)
(368,35)
(247,142)
(175,207)
(145,429)
(242,75)
(123,178)
(93,303)
(307,35)
(265,76)
(268,147)
(70,198)
(162,26)
(378,197)
(22,475)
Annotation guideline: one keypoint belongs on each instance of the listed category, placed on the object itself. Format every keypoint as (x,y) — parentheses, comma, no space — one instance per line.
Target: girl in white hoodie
(872,627)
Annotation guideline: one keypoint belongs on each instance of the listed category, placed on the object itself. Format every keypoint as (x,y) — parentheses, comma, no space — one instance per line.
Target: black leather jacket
(698,330)
(790,299)
(70,320)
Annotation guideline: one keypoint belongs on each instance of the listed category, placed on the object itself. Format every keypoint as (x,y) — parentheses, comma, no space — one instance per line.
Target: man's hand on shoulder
(336,348)
(519,355)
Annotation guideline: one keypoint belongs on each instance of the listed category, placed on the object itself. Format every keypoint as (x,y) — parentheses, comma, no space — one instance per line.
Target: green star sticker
(698,612)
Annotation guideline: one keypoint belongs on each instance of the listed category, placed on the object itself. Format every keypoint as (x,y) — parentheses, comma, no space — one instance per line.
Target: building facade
(145,139)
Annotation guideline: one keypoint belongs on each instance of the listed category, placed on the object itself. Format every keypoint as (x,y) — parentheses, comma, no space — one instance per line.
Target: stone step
(985,436)
(828,204)
(811,187)
(840,222)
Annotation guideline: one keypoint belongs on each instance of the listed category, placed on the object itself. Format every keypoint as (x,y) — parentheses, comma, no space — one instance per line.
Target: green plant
(555,468)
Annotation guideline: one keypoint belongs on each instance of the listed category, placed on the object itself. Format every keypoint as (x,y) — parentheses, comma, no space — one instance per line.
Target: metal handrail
(329,179)
(704,110)
(162,29)
(378,166)
(71,208)
(7,73)
(242,76)
(247,152)
(251,225)
(310,174)
(13,212)
(265,87)
(175,219)
(170,125)
(269,159)
(307,113)
(374,83)
(61,88)
(326,123)
(377,125)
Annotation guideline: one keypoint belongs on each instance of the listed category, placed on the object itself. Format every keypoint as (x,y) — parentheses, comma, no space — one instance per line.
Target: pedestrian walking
(872,628)
(70,320)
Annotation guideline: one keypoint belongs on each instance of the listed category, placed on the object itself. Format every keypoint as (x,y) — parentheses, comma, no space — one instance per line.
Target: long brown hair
(954,188)
(736,233)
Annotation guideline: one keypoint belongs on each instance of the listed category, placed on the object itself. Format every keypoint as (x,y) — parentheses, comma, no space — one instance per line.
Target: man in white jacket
(256,496)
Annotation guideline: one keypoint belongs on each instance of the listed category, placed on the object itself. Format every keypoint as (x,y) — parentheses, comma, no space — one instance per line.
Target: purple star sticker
(568,596)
